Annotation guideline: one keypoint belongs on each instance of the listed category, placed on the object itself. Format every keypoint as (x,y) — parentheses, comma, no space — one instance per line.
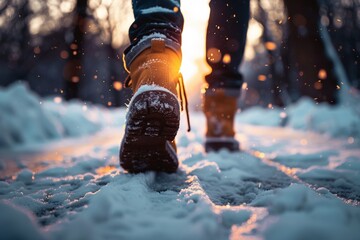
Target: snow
(154,35)
(153,98)
(26,119)
(156,9)
(337,121)
(261,116)
(298,181)
(12,217)
(304,214)
(25,176)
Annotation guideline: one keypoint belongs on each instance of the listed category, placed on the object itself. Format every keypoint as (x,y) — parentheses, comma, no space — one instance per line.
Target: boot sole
(216,144)
(152,123)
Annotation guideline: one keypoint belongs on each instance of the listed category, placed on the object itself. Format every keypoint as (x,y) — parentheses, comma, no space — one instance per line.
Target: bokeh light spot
(227,59)
(117,86)
(262,78)
(322,74)
(213,55)
(75,79)
(64,54)
(271,46)
(318,85)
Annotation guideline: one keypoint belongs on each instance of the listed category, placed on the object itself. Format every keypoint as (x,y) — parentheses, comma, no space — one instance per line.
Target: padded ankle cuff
(145,43)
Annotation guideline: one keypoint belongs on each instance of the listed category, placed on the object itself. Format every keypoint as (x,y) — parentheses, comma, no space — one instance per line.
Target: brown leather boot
(154,112)
(220,109)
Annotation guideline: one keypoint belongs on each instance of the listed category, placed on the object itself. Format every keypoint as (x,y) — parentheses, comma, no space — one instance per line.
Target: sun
(194,66)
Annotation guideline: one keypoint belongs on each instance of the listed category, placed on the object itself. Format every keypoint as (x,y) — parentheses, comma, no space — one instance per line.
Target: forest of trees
(74,47)
(298,37)
(70,48)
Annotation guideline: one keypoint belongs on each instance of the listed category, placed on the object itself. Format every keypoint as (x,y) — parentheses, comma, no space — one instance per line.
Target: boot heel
(152,123)
(216,144)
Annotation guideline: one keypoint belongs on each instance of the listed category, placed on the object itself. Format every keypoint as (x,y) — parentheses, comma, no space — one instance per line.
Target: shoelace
(181,93)
(128,82)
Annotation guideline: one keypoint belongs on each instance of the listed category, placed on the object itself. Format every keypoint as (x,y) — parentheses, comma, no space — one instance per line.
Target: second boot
(220,108)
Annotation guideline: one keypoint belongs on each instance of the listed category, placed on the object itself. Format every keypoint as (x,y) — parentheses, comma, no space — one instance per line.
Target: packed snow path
(285,184)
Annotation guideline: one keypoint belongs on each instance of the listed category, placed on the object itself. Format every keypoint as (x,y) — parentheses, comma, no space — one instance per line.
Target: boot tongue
(157,45)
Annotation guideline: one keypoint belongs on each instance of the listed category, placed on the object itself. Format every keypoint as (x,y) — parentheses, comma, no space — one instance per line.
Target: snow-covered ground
(27,119)
(298,176)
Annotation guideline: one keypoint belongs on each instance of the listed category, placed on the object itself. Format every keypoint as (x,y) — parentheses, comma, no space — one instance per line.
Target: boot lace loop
(128,81)
(183,100)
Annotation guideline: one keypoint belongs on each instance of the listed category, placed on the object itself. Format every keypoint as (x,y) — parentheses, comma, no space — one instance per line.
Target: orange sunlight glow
(194,66)
(105,170)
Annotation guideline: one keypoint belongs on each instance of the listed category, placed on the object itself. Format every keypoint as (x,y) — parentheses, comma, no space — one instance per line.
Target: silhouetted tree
(342,20)
(15,37)
(274,51)
(315,70)
(74,70)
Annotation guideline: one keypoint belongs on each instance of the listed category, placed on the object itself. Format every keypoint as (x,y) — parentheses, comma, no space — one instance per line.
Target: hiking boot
(220,108)
(153,115)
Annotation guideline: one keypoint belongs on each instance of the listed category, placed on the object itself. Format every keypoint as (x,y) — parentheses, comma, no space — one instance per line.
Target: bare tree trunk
(24,41)
(74,71)
(314,70)
(15,40)
(278,82)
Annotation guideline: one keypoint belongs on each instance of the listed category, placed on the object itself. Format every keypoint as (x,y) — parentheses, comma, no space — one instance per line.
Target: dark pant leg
(225,42)
(154,18)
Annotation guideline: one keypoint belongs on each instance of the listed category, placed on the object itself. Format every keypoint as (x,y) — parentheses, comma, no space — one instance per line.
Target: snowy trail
(39,157)
(310,159)
(307,154)
(286,184)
